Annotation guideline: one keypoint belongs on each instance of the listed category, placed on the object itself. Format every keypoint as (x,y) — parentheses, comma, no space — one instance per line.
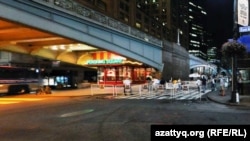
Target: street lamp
(233,49)
(238,48)
(178,36)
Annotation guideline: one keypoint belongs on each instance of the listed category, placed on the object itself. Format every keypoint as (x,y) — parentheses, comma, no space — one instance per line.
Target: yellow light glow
(22,99)
(71,47)
(17,100)
(7,102)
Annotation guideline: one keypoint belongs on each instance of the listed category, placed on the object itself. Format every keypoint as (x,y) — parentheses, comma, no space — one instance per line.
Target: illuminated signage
(108,61)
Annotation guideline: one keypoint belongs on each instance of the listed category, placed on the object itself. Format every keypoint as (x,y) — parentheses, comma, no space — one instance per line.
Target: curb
(228,102)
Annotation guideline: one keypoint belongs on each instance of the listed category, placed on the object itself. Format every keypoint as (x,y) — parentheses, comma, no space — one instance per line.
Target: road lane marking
(76,113)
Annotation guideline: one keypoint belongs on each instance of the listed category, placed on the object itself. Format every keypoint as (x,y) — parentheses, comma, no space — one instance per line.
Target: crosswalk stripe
(191,95)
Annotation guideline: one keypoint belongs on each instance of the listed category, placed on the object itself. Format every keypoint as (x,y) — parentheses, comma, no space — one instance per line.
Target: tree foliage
(232,48)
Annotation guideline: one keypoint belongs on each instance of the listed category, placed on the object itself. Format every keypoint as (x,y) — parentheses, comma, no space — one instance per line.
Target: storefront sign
(108,61)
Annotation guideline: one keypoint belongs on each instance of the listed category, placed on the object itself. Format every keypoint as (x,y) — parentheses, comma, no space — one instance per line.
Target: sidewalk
(216,97)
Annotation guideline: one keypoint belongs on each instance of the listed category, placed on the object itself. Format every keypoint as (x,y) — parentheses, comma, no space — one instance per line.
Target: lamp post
(233,57)
(235,25)
(179,32)
(236,46)
(234,79)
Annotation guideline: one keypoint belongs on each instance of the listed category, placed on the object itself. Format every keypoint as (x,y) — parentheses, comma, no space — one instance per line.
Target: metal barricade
(160,88)
(102,89)
(185,88)
(127,89)
(170,86)
(145,89)
(119,88)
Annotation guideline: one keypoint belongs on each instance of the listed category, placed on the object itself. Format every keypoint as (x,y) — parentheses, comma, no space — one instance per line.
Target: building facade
(163,24)
(164,19)
(198,35)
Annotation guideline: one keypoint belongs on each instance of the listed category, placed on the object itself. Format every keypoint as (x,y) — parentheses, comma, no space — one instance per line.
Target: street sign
(244,29)
(243,12)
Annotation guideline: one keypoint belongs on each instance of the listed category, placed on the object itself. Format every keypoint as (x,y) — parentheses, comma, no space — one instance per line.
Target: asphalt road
(86,118)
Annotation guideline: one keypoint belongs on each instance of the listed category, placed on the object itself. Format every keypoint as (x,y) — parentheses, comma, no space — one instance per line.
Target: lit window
(126,19)
(194,35)
(138,25)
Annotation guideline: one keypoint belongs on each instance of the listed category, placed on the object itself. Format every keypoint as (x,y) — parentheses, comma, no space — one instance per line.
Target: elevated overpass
(66,31)
(204,66)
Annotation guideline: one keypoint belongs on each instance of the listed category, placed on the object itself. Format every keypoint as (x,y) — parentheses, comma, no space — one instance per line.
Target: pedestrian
(222,86)
(162,81)
(179,84)
(162,84)
(198,84)
(155,83)
(149,79)
(127,85)
(240,84)
(47,90)
(149,82)
(203,83)
(213,83)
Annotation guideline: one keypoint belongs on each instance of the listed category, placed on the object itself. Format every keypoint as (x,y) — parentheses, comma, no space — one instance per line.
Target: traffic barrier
(127,89)
(160,88)
(145,89)
(119,88)
(170,86)
(102,89)
(185,88)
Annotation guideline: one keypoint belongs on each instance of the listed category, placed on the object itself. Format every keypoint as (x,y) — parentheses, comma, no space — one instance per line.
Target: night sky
(220,20)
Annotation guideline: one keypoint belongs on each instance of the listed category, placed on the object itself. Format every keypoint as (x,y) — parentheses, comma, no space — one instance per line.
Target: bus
(18,80)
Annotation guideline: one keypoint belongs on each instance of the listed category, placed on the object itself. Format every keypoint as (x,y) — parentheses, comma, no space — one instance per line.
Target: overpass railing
(73,8)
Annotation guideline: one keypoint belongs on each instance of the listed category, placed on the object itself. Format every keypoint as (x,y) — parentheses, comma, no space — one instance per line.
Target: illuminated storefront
(113,69)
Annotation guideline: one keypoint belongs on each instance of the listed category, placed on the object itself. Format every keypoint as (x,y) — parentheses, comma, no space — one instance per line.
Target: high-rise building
(127,12)
(179,21)
(164,19)
(198,35)
(172,16)
(212,55)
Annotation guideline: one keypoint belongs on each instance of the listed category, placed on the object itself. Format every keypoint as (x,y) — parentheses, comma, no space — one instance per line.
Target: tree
(233,50)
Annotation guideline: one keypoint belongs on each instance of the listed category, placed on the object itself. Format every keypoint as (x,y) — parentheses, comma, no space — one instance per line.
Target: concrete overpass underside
(25,40)
(52,32)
